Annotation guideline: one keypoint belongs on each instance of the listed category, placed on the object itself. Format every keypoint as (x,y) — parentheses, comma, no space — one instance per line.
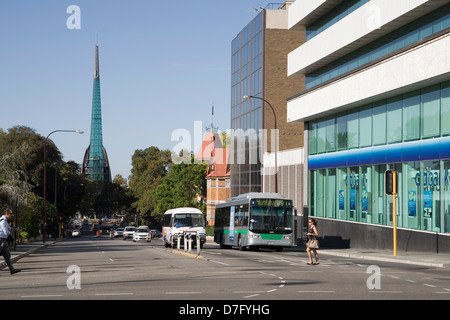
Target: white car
(118,232)
(142,234)
(128,232)
(76,233)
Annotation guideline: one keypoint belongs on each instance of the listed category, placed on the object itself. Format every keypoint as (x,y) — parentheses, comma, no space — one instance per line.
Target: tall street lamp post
(44,231)
(275,122)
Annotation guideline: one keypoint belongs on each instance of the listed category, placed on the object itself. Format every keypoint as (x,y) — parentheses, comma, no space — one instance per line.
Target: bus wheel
(241,247)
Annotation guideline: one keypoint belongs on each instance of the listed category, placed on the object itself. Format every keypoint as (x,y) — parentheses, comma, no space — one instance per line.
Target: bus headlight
(254,236)
(287,237)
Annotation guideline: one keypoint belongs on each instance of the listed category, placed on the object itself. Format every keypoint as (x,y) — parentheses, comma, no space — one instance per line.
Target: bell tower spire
(96,164)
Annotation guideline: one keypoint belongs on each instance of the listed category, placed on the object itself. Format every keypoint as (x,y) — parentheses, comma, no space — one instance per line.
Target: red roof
(219,165)
(212,153)
(210,142)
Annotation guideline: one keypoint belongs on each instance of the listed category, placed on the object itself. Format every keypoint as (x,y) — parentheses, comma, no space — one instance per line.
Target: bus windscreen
(188,220)
(271,216)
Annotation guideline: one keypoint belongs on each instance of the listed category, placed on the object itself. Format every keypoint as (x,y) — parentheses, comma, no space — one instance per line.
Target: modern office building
(259,69)
(95,161)
(377,97)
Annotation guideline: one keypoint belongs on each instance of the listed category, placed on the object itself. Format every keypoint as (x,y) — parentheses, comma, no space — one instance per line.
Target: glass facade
(419,29)
(349,153)
(333,16)
(246,115)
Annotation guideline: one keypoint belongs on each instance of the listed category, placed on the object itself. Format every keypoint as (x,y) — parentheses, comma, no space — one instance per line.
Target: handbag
(313,244)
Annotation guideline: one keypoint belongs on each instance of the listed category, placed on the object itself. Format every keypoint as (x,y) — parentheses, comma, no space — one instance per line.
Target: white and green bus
(254,220)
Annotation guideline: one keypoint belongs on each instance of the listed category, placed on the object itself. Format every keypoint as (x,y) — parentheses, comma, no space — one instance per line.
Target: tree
(21,178)
(14,185)
(32,164)
(184,186)
(149,167)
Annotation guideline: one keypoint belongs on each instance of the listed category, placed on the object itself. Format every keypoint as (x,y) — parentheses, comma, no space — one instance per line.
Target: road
(98,268)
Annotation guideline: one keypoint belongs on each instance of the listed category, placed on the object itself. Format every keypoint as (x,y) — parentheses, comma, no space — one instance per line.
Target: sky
(163,65)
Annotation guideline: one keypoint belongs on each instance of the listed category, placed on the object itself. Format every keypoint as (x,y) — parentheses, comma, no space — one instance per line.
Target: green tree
(149,167)
(31,165)
(184,186)
(21,178)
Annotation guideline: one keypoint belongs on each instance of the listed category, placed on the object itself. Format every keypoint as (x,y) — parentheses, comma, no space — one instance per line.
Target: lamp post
(275,122)
(44,231)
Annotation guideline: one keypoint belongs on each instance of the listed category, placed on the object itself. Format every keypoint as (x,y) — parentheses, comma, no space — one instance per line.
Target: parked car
(142,234)
(155,233)
(128,232)
(118,232)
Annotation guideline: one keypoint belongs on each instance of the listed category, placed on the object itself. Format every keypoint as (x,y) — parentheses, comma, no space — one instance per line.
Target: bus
(254,220)
(180,220)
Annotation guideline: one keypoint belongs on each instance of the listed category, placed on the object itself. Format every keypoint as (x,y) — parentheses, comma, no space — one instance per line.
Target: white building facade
(377,98)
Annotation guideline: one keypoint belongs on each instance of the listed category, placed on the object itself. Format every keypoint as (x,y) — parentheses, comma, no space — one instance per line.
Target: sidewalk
(427,259)
(23,250)
(437,260)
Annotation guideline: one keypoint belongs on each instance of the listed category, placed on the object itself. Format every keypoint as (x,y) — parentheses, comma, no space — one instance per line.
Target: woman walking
(313,243)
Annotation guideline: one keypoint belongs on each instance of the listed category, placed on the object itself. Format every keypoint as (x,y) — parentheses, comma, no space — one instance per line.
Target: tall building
(95,162)
(377,98)
(259,69)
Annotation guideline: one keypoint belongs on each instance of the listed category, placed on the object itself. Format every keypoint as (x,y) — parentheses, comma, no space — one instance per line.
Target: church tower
(95,162)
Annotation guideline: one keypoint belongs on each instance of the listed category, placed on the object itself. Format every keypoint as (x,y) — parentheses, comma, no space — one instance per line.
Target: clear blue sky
(163,64)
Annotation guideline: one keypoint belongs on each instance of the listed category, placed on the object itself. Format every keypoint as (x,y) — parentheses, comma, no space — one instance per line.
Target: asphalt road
(97,268)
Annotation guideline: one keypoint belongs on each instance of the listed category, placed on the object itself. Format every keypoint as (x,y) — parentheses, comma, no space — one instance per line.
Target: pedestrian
(10,241)
(5,230)
(313,243)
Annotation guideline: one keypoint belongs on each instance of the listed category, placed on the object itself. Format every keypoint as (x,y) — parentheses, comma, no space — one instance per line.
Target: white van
(180,220)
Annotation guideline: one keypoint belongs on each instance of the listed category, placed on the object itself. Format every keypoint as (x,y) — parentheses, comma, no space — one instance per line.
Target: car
(76,232)
(155,233)
(128,232)
(142,234)
(118,232)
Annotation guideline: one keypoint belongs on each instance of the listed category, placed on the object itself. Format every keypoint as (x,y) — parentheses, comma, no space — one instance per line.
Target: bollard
(190,244)
(179,242)
(185,244)
(198,243)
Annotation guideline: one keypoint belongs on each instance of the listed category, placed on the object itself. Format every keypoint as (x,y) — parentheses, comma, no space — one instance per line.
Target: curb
(187,254)
(386,259)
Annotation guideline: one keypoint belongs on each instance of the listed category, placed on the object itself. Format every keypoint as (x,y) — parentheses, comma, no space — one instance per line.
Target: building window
(356,192)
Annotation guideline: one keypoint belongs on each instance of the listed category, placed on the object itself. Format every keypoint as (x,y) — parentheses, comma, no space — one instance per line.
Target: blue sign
(412,204)
(341,200)
(427,204)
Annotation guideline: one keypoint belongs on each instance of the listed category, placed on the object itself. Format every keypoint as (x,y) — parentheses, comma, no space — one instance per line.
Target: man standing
(5,230)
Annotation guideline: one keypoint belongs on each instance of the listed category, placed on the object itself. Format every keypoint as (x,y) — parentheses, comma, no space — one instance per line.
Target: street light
(275,122)
(44,232)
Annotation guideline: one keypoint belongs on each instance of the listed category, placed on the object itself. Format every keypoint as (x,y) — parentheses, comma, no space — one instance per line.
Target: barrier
(188,238)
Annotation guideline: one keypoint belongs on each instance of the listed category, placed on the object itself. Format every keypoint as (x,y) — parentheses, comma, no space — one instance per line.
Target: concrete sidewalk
(437,260)
(428,259)
(23,250)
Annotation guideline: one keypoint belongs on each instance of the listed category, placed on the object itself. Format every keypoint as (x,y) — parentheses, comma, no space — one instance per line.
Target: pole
(276,146)
(394,194)
(44,231)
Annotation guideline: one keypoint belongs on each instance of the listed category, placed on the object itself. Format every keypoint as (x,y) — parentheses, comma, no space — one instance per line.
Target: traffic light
(100,222)
(389,182)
